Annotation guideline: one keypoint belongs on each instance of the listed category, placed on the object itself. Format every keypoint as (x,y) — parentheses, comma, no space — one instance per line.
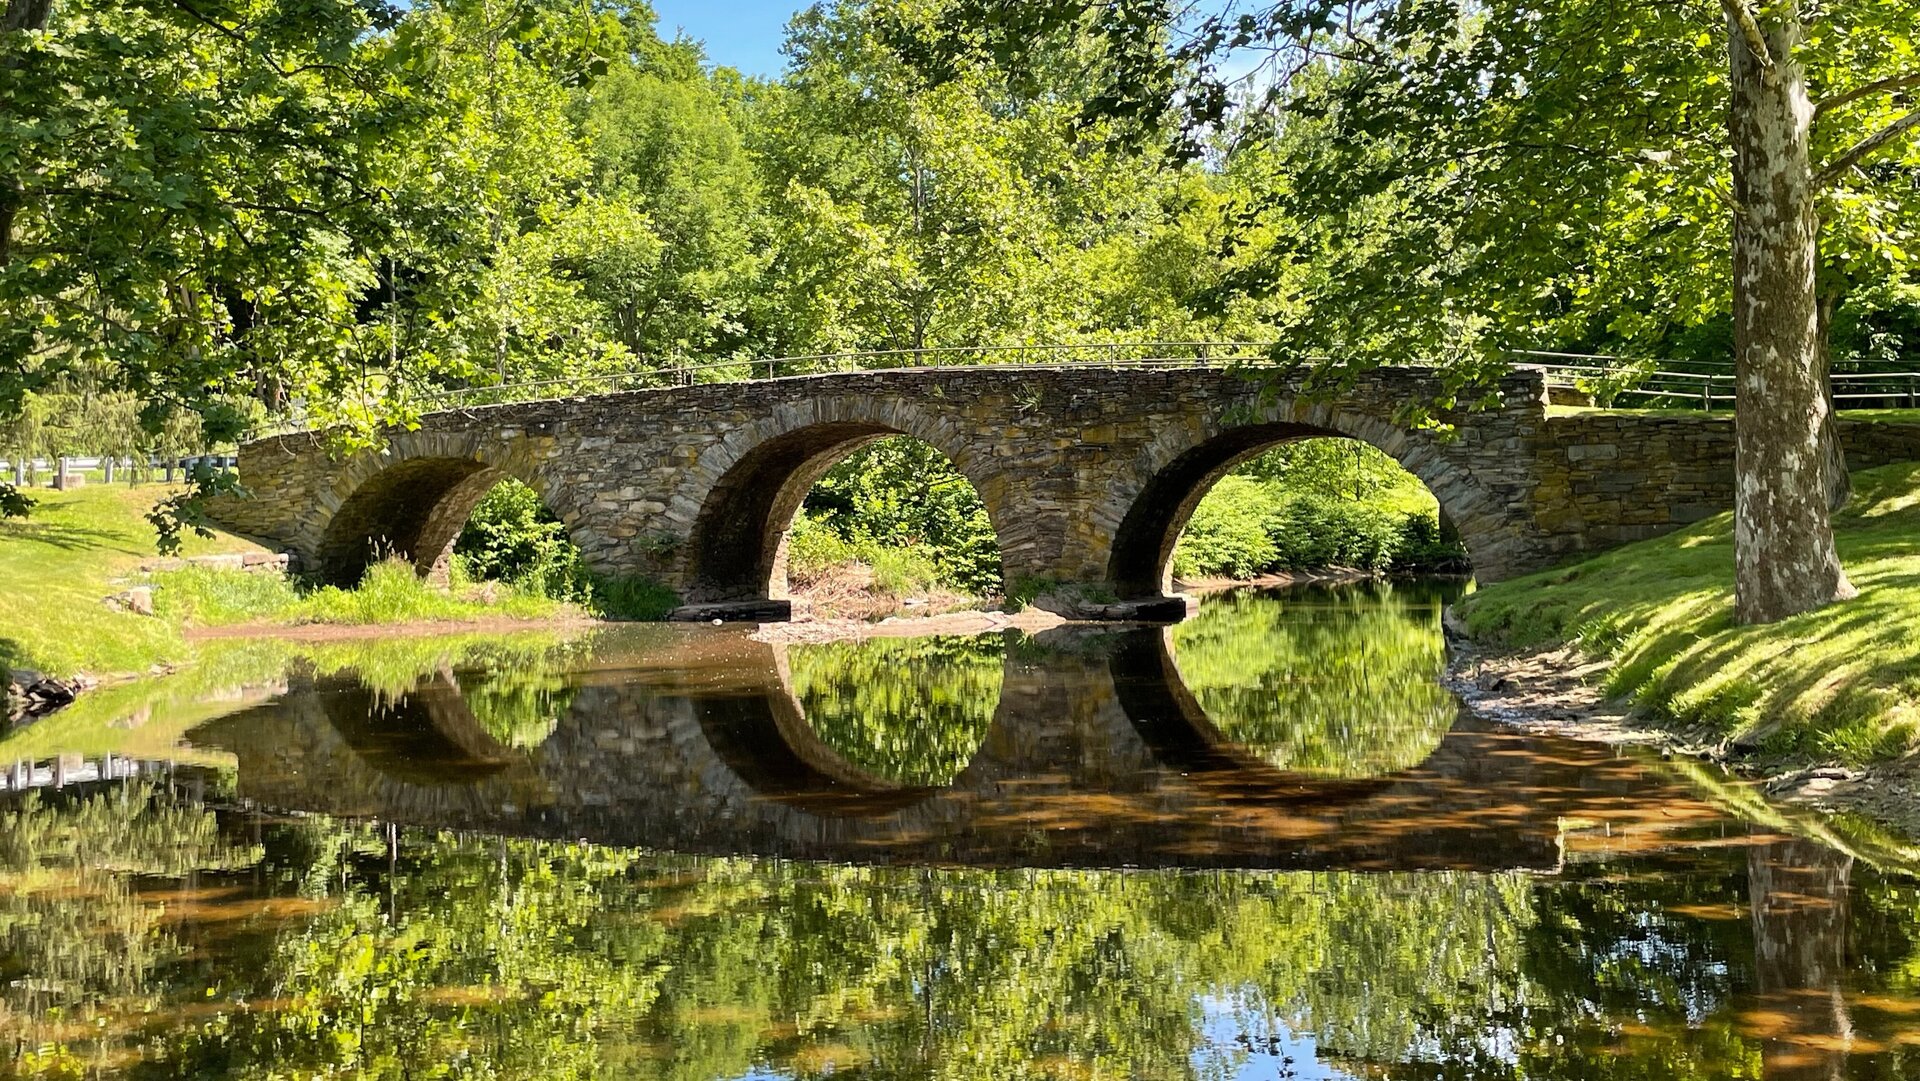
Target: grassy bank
(1843,683)
(77,548)
(59,564)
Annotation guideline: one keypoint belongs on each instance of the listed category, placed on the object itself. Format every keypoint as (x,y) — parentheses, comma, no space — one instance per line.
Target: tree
(1530,156)
(186,187)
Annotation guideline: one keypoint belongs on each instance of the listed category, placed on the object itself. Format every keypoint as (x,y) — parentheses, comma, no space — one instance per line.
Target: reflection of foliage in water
(514,683)
(515,959)
(523,960)
(1338,682)
(519,699)
(912,710)
(72,929)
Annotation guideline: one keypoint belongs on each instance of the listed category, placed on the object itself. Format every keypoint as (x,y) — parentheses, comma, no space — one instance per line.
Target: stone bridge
(1088,474)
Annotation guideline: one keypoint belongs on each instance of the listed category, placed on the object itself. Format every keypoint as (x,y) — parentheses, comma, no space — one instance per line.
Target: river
(1265,843)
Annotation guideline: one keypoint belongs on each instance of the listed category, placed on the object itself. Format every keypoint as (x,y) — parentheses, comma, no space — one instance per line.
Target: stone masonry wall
(1088,474)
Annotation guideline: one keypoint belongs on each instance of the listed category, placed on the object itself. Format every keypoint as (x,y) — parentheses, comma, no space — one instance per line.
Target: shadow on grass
(72,538)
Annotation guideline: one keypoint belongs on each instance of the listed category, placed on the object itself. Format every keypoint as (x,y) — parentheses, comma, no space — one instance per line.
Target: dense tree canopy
(245,212)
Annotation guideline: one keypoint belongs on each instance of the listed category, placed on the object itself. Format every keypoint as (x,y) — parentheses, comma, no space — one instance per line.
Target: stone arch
(737,547)
(411,500)
(425,737)
(1181,466)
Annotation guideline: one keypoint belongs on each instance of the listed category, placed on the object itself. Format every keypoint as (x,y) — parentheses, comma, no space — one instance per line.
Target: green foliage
(1840,682)
(1227,534)
(1338,681)
(14,503)
(1318,503)
(631,597)
(910,710)
(898,505)
(512,537)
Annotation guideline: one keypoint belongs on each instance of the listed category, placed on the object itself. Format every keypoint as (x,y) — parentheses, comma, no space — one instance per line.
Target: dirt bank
(1031,620)
(1557,692)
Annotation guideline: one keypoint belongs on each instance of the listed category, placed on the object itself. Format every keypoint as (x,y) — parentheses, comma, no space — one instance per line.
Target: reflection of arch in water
(425,736)
(761,732)
(1337,680)
(1171,721)
(335,745)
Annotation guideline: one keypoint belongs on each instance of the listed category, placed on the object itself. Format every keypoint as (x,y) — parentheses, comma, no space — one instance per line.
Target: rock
(31,695)
(138,600)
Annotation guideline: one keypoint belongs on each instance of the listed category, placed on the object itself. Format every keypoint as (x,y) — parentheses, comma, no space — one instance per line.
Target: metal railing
(1188,354)
(1607,380)
(1649,383)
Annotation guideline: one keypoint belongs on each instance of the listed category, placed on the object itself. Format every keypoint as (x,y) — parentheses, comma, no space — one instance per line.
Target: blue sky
(744,34)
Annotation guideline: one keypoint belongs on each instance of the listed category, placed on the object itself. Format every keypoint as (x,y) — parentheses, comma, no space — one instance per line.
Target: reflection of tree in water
(520,708)
(1338,682)
(72,930)
(517,959)
(911,710)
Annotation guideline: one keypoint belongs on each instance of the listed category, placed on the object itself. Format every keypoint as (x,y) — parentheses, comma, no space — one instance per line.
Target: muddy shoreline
(1557,692)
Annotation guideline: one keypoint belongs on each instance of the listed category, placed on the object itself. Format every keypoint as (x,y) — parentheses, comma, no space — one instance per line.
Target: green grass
(1841,683)
(58,565)
(389,593)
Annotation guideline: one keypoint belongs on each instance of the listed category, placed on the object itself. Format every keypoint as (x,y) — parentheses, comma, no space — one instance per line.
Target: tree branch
(1866,146)
(1756,39)
(1878,86)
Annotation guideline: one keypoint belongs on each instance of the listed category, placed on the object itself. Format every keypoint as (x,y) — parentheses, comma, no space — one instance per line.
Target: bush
(899,494)
(513,538)
(1247,526)
(1231,532)
(633,597)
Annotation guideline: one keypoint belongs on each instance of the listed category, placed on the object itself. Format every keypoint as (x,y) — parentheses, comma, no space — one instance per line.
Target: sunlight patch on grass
(1841,683)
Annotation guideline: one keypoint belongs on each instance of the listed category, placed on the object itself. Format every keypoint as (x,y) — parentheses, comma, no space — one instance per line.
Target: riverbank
(1556,692)
(86,602)
(1640,645)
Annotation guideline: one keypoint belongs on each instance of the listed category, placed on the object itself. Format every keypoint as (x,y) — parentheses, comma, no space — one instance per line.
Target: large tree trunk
(1783,534)
(1839,482)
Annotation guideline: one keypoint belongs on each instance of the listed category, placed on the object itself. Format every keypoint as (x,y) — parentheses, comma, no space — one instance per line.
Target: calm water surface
(1262,844)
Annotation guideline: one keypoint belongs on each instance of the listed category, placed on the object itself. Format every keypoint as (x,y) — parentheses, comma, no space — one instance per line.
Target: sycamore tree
(1511,168)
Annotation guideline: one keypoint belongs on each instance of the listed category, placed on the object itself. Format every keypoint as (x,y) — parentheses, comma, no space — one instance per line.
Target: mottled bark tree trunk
(1798,893)
(1839,482)
(1783,532)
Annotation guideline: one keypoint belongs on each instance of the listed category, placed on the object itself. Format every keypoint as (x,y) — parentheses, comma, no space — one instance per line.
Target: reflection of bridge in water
(1097,756)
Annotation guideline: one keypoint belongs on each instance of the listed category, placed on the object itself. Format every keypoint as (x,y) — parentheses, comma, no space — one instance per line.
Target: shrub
(1248,526)
(512,537)
(1231,532)
(631,597)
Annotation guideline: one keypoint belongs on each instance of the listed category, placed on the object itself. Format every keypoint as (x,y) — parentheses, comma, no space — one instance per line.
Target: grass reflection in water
(1336,681)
